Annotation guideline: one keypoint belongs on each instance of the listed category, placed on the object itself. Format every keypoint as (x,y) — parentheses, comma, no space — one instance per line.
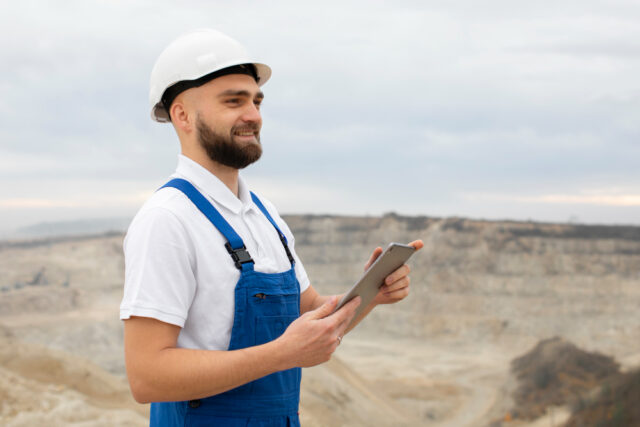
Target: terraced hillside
(482,294)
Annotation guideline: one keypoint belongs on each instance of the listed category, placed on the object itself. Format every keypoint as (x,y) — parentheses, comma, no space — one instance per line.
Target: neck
(229,176)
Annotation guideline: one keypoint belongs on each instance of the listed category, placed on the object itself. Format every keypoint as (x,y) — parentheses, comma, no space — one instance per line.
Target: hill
(556,373)
(482,293)
(615,404)
(40,386)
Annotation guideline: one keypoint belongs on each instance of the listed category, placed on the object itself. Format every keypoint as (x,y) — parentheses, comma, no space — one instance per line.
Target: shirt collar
(212,186)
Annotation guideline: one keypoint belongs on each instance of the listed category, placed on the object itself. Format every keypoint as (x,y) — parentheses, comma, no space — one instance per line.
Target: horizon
(88,227)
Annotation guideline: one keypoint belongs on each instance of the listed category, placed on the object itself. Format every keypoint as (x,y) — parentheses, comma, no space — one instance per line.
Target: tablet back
(367,287)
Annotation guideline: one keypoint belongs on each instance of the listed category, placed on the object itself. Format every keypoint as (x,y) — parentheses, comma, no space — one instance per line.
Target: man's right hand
(313,337)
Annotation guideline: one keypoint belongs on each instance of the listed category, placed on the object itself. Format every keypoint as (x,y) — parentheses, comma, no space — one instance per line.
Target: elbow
(143,381)
(140,398)
(140,391)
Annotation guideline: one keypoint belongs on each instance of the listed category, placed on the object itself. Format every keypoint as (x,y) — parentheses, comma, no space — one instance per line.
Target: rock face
(40,386)
(488,280)
(615,404)
(482,293)
(64,293)
(556,372)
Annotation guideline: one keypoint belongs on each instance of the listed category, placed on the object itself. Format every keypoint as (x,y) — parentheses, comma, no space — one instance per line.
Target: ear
(181,117)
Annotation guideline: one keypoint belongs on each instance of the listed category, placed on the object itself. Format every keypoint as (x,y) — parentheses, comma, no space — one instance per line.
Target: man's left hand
(396,285)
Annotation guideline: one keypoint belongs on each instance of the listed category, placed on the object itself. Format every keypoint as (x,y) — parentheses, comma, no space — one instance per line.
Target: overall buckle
(240,256)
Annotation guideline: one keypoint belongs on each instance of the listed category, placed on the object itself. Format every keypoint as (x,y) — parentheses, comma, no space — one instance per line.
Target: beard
(224,150)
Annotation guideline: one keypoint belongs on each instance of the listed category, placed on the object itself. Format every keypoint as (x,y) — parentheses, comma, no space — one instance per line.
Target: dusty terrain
(483,293)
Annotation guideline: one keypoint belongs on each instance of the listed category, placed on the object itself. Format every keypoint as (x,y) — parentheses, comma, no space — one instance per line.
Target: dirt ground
(483,294)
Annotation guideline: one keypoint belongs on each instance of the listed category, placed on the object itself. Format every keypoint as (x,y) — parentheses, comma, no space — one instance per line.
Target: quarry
(488,299)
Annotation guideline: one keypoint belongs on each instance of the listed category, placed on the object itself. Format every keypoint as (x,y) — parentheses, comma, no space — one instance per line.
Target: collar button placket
(249,220)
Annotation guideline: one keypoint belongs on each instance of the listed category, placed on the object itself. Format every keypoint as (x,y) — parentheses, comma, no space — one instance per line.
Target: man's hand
(396,285)
(313,337)
(394,289)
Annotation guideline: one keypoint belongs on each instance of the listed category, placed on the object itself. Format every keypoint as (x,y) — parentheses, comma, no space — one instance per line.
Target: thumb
(325,309)
(374,256)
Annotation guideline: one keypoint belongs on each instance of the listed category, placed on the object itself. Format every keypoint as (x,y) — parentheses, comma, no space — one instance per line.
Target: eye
(233,101)
(258,102)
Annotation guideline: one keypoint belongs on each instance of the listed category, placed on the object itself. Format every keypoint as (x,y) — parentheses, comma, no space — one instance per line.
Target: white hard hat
(195,55)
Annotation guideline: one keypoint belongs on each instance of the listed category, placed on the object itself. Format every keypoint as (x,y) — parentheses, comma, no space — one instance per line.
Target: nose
(251,114)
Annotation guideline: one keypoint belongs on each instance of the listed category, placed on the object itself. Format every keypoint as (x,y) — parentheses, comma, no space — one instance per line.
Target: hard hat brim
(160,114)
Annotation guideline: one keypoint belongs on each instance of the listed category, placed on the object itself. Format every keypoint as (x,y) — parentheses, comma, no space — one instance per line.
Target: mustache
(253,127)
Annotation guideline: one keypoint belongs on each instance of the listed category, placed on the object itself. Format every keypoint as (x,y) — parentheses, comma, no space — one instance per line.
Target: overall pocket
(268,328)
(275,304)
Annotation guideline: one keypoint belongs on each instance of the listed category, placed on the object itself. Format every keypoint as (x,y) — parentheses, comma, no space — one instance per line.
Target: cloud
(373,106)
(609,200)
(612,197)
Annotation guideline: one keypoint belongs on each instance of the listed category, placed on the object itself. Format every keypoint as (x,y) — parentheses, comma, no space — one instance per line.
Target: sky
(488,110)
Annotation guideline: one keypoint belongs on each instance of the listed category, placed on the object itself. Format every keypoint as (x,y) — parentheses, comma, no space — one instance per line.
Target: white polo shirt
(177,269)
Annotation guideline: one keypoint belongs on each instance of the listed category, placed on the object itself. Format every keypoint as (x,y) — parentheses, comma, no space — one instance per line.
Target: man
(219,313)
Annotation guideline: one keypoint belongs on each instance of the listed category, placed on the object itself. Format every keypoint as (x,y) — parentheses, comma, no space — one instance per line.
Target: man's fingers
(374,256)
(400,284)
(325,309)
(342,327)
(401,272)
(398,294)
(346,314)
(417,244)
(347,311)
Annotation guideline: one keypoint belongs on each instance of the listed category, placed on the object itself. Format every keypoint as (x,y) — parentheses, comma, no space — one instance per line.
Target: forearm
(175,374)
(160,371)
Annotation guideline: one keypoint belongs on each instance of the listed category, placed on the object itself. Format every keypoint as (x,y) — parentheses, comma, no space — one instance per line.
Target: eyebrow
(236,92)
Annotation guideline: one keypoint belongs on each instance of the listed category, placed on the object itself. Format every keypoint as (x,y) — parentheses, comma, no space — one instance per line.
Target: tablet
(367,287)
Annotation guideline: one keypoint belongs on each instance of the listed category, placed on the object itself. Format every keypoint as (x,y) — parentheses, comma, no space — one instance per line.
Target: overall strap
(235,246)
(283,238)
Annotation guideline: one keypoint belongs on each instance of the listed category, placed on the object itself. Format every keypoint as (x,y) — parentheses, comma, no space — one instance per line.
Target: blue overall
(265,304)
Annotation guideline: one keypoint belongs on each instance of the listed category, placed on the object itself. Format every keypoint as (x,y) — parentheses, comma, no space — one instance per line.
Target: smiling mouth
(245,133)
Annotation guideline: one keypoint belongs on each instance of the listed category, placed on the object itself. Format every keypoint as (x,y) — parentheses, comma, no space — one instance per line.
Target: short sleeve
(159,268)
